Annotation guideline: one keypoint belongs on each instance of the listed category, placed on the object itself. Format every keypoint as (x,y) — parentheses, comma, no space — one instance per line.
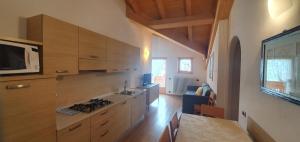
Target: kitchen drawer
(101,116)
(78,132)
(105,135)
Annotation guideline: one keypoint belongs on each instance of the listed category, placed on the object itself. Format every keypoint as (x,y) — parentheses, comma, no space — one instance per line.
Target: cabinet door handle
(127,69)
(75,127)
(105,133)
(103,124)
(115,70)
(124,102)
(17,86)
(103,113)
(62,71)
(94,57)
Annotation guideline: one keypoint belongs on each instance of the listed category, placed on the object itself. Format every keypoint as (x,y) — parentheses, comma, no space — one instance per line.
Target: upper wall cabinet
(117,56)
(60,44)
(92,50)
(135,58)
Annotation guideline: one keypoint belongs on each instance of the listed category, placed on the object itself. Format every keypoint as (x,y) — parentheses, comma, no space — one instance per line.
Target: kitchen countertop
(64,121)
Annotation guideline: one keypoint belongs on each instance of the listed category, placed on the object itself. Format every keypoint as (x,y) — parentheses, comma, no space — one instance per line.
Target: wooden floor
(156,120)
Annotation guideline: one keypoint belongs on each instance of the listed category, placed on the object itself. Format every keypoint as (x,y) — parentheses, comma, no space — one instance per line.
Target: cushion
(206,91)
(199,91)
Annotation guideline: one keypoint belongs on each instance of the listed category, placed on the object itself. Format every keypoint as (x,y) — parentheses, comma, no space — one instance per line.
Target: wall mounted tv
(280,65)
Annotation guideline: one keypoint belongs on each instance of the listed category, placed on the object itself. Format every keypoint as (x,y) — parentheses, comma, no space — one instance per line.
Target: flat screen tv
(280,65)
(147,79)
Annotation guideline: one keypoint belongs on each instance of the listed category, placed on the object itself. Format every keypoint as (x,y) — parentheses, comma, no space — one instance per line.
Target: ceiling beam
(188,7)
(190,33)
(133,5)
(161,8)
(140,18)
(222,12)
(181,22)
(188,11)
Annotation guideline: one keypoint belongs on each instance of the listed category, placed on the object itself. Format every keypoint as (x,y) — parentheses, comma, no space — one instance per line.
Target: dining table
(195,128)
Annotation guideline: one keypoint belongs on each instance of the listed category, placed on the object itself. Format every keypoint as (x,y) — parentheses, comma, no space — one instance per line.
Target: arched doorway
(234,78)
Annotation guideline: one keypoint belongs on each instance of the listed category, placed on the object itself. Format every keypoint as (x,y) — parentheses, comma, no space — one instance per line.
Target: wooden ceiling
(190,22)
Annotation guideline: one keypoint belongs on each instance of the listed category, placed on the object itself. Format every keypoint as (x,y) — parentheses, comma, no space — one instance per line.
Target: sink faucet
(125,86)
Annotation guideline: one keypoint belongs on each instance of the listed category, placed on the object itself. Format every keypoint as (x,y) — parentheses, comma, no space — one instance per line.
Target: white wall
(166,49)
(103,16)
(250,21)
(213,83)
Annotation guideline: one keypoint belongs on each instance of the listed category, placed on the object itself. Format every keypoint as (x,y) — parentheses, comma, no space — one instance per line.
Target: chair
(165,137)
(212,111)
(174,124)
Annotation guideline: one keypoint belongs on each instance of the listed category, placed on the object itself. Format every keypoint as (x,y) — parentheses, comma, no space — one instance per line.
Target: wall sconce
(146,54)
(277,7)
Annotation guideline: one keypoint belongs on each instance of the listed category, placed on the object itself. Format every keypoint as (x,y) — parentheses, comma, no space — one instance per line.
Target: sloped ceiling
(189,22)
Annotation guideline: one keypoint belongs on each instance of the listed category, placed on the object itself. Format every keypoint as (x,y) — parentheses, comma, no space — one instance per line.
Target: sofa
(190,98)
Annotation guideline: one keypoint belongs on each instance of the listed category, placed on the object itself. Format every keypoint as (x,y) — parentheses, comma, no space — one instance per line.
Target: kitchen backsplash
(73,89)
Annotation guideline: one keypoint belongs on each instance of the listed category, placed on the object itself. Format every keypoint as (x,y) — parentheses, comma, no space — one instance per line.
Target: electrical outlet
(244,113)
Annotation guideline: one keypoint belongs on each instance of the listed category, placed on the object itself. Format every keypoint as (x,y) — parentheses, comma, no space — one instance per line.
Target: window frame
(178,65)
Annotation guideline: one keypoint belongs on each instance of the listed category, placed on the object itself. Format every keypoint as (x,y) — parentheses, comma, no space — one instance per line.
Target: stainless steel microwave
(17,58)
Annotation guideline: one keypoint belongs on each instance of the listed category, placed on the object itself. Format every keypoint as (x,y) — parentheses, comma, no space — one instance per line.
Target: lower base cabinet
(122,120)
(138,109)
(27,110)
(78,132)
(101,126)
(109,125)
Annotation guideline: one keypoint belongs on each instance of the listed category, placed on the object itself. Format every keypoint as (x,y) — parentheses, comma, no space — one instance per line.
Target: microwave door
(12,58)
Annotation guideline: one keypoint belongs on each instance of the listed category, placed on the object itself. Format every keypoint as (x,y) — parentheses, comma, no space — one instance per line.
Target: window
(185,65)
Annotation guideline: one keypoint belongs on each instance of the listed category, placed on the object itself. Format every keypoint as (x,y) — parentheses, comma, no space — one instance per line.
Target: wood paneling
(181,22)
(167,16)
(161,8)
(27,111)
(222,12)
(60,44)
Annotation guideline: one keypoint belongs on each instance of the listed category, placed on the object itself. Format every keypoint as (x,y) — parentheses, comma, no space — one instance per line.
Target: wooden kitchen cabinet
(60,44)
(122,119)
(153,93)
(78,132)
(27,110)
(92,50)
(135,59)
(101,126)
(138,108)
(117,56)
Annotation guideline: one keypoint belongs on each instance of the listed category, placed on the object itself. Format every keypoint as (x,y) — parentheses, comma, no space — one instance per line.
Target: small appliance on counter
(18,58)
(86,107)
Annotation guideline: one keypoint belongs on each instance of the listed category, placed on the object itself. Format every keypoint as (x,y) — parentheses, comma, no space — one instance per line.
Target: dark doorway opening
(234,78)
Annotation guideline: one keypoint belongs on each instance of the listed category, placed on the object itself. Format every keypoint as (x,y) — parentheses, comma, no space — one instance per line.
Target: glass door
(159,73)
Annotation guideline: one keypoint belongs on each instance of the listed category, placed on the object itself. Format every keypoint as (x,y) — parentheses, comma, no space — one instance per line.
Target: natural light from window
(185,65)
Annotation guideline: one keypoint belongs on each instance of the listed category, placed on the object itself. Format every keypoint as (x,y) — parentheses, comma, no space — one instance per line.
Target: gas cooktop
(87,107)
